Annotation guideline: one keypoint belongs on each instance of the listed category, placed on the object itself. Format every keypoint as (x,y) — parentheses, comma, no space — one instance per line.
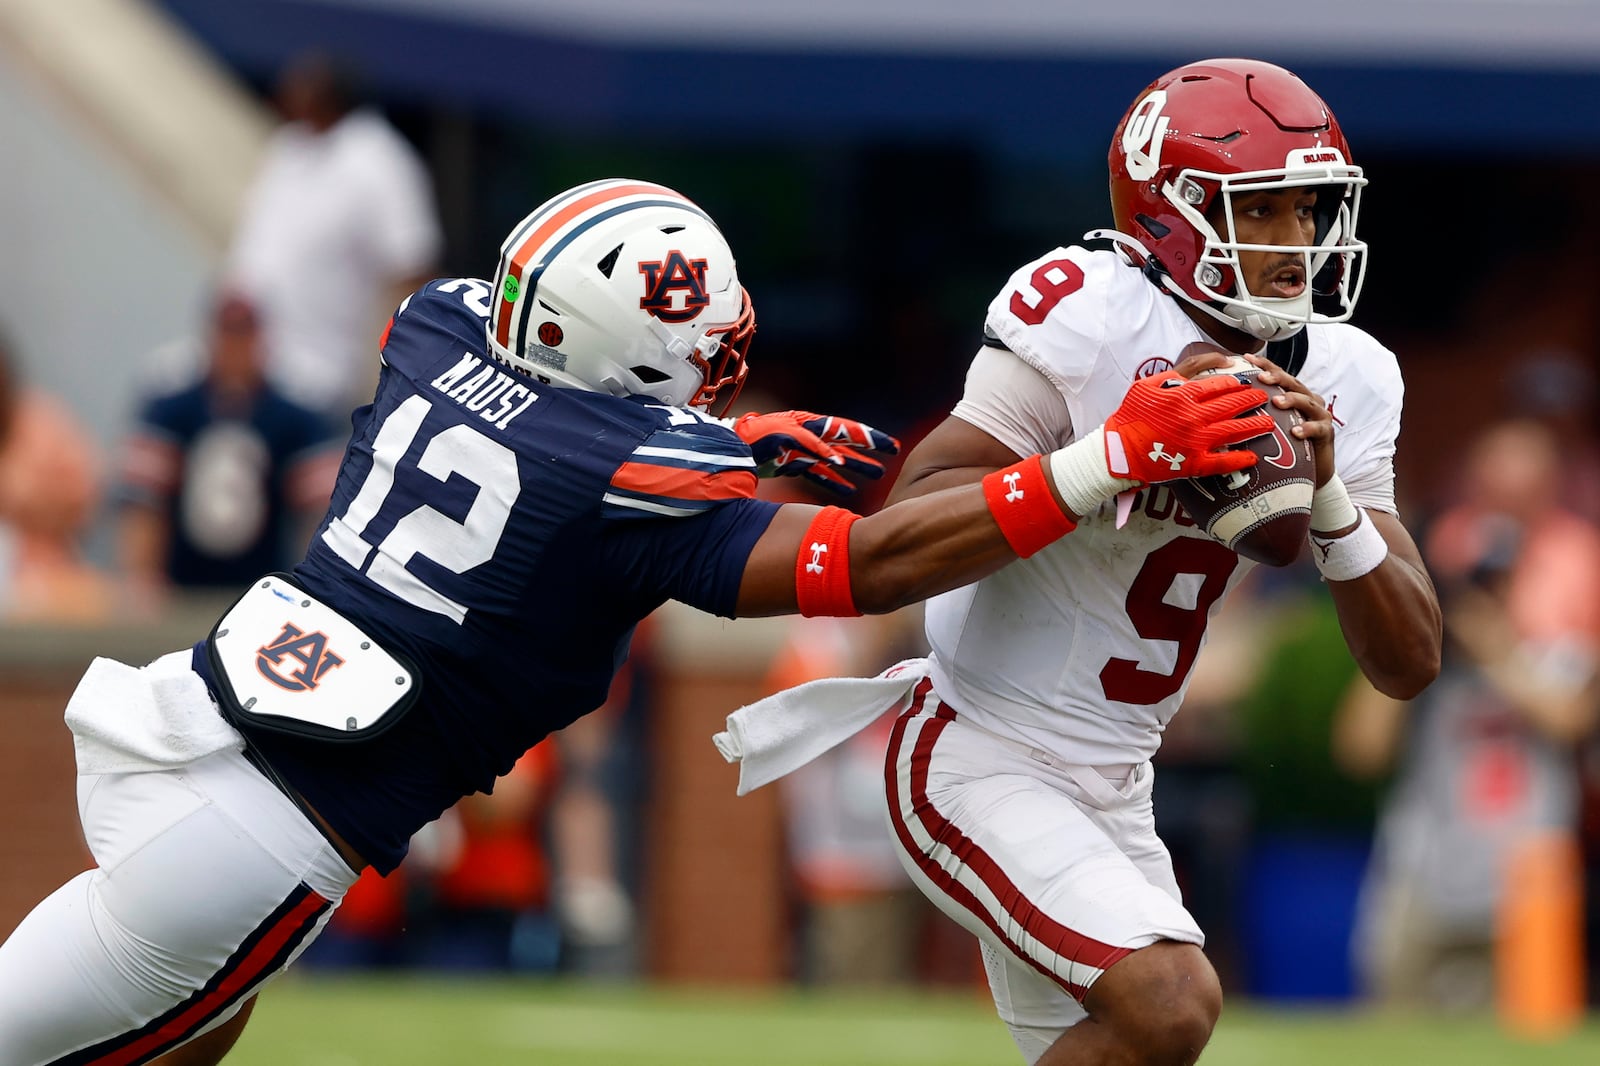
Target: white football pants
(1056,870)
(209,883)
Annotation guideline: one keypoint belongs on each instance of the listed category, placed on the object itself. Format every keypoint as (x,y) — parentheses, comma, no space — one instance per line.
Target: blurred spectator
(589,817)
(340,225)
(474,895)
(488,888)
(860,916)
(49,487)
(1485,757)
(224,479)
(1557,387)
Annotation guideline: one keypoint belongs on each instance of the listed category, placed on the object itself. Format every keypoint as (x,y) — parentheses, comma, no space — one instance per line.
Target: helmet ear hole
(1158,230)
(649,374)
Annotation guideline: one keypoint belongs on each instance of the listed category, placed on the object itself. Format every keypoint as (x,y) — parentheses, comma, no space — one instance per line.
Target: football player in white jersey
(539,469)
(1019,778)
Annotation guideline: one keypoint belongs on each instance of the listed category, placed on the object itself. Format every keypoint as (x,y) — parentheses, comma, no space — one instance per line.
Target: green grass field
(431,1022)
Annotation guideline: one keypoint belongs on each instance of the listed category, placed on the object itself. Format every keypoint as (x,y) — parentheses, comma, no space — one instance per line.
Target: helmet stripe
(554,203)
(515,255)
(532,283)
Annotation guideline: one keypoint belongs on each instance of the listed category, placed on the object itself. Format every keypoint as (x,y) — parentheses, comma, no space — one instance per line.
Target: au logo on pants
(310,650)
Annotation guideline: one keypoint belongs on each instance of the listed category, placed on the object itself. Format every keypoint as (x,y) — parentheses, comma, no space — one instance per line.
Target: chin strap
(1270,327)
(1128,247)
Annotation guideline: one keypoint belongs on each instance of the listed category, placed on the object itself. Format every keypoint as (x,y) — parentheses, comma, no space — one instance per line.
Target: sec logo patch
(550,334)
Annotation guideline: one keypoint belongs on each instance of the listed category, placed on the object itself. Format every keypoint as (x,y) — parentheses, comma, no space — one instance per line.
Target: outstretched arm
(955,453)
(898,556)
(825,561)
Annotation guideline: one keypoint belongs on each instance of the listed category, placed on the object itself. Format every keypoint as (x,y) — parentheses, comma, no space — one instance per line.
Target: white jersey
(1085,649)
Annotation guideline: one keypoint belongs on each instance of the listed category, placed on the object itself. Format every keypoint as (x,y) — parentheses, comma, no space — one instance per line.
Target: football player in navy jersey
(539,469)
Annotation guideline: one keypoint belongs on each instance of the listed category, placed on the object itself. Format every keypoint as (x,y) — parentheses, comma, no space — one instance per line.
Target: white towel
(780,734)
(130,719)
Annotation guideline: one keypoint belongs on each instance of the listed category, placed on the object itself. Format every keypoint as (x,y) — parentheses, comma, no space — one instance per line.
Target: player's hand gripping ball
(1263,512)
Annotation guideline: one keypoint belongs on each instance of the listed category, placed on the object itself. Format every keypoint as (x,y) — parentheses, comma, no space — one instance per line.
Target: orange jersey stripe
(537,238)
(678,483)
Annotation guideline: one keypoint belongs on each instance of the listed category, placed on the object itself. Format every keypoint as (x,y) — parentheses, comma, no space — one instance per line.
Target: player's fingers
(801,439)
(881,442)
(1239,430)
(1286,381)
(1224,462)
(847,433)
(1306,403)
(829,478)
(1197,362)
(1314,429)
(1232,403)
(860,464)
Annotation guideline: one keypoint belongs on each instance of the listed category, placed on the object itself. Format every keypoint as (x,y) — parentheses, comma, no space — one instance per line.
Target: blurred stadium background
(880,168)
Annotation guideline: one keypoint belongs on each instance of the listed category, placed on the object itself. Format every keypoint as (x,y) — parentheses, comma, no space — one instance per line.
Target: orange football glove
(1170,427)
(815,447)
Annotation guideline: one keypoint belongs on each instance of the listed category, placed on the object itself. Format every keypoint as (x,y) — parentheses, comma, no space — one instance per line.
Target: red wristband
(1027,514)
(822,567)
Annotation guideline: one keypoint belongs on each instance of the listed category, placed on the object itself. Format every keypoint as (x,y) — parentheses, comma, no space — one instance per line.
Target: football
(1264,511)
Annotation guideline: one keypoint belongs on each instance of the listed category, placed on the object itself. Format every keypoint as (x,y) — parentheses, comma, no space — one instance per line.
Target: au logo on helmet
(677,273)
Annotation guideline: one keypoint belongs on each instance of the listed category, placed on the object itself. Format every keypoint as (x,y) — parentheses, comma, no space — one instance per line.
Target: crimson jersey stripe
(262,953)
(1062,941)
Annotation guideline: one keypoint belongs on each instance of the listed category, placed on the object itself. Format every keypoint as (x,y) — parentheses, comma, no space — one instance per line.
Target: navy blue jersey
(236,480)
(506,537)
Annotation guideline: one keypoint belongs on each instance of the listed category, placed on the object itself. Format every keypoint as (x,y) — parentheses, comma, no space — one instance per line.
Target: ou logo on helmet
(1142,136)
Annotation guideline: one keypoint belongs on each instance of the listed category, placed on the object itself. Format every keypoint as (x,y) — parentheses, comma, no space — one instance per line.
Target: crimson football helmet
(627,288)
(1204,133)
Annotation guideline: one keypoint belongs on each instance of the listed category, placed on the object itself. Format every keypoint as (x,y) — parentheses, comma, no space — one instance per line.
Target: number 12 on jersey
(423,531)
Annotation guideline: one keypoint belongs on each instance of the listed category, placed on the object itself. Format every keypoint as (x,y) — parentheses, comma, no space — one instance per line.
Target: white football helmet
(627,288)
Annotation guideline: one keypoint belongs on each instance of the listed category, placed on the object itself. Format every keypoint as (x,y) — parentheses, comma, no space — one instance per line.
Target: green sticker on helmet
(510,289)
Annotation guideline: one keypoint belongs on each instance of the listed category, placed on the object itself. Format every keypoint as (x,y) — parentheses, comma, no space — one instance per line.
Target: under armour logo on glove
(1157,455)
(820,448)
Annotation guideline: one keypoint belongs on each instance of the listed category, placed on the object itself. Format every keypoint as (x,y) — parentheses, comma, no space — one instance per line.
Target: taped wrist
(1331,508)
(1081,475)
(1358,552)
(822,566)
(1027,514)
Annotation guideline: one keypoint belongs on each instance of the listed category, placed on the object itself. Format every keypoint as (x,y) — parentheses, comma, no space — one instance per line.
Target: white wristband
(1358,552)
(1331,508)
(1079,471)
